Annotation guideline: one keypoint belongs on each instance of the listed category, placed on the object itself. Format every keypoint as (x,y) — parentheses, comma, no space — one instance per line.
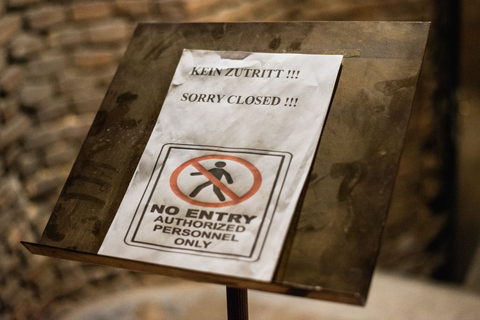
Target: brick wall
(56,61)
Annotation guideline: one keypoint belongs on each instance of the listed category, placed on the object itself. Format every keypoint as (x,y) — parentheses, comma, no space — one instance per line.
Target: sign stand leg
(237,304)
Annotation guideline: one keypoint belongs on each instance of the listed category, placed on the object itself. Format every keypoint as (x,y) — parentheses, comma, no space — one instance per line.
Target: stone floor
(391,297)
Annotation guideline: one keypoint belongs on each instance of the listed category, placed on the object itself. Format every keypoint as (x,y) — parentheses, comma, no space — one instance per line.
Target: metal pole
(237,304)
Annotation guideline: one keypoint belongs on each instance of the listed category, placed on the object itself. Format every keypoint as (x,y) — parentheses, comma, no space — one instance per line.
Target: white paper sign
(219,180)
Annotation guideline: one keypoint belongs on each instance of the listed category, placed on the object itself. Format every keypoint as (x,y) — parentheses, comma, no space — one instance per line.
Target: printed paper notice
(221,175)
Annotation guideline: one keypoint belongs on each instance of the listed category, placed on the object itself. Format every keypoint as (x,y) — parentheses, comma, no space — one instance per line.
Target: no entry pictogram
(214,177)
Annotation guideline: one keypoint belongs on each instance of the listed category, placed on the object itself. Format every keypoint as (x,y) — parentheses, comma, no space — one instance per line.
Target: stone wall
(56,61)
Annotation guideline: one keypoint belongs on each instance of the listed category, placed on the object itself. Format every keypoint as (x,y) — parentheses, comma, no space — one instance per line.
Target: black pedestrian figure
(218,173)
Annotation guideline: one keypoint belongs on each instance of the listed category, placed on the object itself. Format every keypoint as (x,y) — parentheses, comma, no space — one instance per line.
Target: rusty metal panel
(331,249)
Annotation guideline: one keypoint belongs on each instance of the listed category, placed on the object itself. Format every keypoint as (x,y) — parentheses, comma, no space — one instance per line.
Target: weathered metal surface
(341,222)
(331,252)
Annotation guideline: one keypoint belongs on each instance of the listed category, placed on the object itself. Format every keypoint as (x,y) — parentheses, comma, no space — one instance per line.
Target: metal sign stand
(237,303)
(342,214)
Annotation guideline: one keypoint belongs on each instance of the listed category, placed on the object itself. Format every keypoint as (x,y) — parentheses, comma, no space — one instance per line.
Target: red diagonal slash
(223,187)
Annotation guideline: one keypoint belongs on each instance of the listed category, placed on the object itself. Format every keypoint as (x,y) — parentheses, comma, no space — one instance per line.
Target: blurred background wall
(58,57)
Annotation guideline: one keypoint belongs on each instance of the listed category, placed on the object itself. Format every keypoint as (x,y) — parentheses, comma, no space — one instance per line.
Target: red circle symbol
(235,199)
